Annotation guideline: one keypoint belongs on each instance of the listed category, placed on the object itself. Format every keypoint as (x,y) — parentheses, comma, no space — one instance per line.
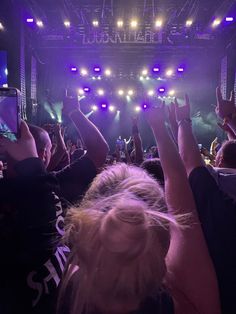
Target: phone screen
(8,111)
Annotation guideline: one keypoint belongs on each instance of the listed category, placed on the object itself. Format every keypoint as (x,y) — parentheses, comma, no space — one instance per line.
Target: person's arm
(227,129)
(96,145)
(61,152)
(188,147)
(173,122)
(191,276)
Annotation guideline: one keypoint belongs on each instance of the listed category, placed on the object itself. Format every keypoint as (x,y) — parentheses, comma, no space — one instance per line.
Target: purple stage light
(86,89)
(145,106)
(97,69)
(156,69)
(30,20)
(180,69)
(161,90)
(104,106)
(229,19)
(73,69)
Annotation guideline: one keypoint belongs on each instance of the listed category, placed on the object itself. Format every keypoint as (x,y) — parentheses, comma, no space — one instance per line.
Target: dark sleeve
(217,215)
(75,179)
(30,167)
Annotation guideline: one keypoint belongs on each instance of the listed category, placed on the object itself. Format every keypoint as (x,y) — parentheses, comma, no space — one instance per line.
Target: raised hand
(70,104)
(21,149)
(183,112)
(156,115)
(225,108)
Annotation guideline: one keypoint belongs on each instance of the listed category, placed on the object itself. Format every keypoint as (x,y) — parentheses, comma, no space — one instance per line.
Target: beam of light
(39,23)
(49,110)
(189,23)
(58,111)
(117,117)
(89,114)
(120,23)
(67,23)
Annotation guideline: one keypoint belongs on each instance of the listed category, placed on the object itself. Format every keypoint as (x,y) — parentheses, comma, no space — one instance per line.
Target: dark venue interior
(118,156)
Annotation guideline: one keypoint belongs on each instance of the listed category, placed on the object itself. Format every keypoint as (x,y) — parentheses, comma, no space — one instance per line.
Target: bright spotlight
(161,90)
(80,91)
(120,23)
(107,72)
(158,23)
(169,72)
(137,108)
(156,69)
(94,108)
(111,108)
(73,69)
(104,106)
(133,24)
(229,19)
(180,69)
(188,23)
(95,23)
(216,22)
(100,92)
(144,72)
(67,24)
(120,92)
(171,92)
(39,23)
(30,20)
(97,69)
(151,92)
(87,89)
(1,27)
(84,72)
(130,92)
(141,78)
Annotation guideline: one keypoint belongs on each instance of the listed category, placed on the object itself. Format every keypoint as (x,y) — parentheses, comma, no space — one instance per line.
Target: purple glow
(104,106)
(97,69)
(156,69)
(161,90)
(73,69)
(30,20)
(229,19)
(145,106)
(86,89)
(180,69)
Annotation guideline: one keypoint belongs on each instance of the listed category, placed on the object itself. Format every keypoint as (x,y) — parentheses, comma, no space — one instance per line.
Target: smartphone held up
(10,112)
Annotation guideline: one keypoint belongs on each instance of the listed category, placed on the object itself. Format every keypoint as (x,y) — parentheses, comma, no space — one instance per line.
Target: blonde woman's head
(119,237)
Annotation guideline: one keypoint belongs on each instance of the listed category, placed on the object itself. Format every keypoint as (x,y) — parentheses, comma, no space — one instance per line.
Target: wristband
(188,120)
